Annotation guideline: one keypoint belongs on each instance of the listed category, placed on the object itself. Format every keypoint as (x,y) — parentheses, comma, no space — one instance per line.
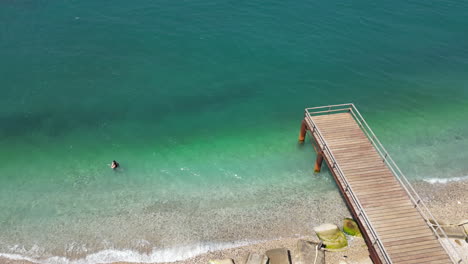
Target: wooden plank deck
(406,237)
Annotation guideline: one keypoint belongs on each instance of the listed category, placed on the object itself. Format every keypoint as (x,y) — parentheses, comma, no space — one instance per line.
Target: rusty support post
(318,162)
(302,133)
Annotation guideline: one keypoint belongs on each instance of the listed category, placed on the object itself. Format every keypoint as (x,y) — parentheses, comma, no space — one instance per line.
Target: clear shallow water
(201,104)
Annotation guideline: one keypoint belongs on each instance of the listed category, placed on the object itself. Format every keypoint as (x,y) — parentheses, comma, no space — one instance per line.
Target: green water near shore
(202,101)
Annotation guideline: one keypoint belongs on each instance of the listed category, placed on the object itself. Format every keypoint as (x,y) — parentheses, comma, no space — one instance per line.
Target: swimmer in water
(114,165)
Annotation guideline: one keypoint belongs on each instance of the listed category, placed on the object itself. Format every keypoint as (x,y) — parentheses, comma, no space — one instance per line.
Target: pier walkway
(392,217)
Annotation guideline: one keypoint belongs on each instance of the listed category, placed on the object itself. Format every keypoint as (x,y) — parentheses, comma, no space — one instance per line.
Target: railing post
(385,157)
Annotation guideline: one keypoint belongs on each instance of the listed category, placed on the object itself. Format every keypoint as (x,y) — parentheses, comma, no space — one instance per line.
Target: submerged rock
(309,253)
(278,256)
(351,228)
(255,258)
(331,236)
(221,261)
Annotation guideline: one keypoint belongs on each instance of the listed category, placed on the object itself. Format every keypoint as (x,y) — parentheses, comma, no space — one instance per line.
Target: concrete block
(255,258)
(221,261)
(278,256)
(309,253)
(454,231)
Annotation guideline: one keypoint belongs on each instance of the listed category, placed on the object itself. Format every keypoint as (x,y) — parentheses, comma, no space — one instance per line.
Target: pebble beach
(447,202)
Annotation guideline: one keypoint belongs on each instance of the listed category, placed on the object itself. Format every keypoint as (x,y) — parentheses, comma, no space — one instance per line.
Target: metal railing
(387,159)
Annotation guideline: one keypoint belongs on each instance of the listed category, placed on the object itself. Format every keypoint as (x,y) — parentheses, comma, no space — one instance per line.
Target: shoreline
(446,201)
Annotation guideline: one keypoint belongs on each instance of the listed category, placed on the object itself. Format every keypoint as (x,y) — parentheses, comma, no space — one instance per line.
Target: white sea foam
(157,255)
(446,180)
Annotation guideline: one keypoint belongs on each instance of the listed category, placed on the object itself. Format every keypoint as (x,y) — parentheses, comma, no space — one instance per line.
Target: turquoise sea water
(201,101)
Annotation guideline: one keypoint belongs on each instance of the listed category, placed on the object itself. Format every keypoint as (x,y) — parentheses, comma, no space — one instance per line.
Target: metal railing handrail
(388,160)
(416,199)
(362,213)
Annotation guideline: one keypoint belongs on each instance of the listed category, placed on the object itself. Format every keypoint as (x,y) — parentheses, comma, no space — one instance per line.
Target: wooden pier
(392,217)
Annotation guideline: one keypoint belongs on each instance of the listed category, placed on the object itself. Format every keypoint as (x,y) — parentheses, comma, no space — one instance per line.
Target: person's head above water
(114,164)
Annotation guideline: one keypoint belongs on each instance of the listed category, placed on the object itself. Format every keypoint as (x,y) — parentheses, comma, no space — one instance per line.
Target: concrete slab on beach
(309,253)
(278,256)
(255,258)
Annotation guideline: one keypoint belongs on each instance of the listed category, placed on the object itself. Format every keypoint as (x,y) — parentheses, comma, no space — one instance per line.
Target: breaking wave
(156,256)
(446,180)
